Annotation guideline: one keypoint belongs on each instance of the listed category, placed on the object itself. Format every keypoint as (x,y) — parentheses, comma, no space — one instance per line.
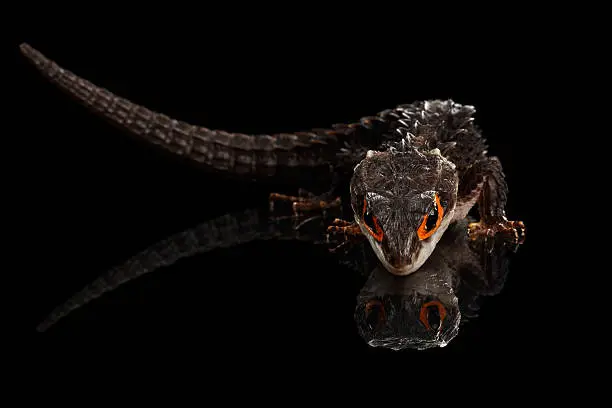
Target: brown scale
(420,127)
(215,148)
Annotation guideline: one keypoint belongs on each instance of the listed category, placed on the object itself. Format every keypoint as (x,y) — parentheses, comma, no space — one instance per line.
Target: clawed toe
(344,227)
(314,204)
(514,230)
(305,202)
(350,230)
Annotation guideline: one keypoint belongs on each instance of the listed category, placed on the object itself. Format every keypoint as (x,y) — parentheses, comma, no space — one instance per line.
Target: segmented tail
(233,152)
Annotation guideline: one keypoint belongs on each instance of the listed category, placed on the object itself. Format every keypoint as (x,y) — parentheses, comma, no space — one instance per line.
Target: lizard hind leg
(341,234)
(306,201)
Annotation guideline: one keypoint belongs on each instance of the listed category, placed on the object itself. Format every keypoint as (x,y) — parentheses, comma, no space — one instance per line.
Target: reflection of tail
(223,232)
(232,152)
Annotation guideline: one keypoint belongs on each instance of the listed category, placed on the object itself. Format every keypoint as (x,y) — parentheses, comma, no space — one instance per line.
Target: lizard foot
(305,202)
(513,230)
(350,230)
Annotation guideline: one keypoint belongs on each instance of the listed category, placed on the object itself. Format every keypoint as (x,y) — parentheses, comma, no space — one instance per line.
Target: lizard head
(403,200)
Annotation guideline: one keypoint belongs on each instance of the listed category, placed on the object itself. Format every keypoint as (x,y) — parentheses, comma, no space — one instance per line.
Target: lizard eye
(432,314)
(431,220)
(371,223)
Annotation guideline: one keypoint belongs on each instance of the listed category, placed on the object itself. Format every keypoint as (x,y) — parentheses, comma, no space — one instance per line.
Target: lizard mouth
(399,265)
(401,269)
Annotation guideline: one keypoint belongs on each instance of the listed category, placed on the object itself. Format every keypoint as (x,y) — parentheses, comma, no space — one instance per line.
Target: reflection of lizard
(418,311)
(413,170)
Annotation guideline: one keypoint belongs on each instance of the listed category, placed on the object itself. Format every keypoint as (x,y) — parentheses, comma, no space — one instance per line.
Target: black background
(96,197)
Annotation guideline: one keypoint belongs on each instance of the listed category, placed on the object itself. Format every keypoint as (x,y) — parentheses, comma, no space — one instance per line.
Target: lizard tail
(222,232)
(221,150)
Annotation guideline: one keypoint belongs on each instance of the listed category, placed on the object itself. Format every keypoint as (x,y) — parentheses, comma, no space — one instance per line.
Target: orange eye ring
(422,232)
(424,315)
(378,234)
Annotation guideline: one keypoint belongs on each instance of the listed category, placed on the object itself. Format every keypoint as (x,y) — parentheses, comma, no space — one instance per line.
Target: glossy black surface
(100,197)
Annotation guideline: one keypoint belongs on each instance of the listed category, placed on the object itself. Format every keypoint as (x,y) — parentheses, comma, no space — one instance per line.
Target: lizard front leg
(350,230)
(484,183)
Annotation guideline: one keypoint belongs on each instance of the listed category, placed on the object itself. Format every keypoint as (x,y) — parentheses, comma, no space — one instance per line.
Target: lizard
(411,171)
(426,310)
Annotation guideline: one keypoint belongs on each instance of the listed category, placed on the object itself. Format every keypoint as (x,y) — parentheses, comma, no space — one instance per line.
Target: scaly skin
(412,171)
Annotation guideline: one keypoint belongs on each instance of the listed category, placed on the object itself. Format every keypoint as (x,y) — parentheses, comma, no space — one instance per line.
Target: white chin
(403,271)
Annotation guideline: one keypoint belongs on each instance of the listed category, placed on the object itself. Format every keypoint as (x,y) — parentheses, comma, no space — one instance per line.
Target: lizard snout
(398,261)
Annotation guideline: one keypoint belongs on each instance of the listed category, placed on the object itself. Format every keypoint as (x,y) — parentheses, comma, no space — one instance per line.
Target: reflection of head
(420,310)
(408,320)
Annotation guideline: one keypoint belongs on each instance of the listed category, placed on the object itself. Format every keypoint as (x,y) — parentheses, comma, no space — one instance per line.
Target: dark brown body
(427,125)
